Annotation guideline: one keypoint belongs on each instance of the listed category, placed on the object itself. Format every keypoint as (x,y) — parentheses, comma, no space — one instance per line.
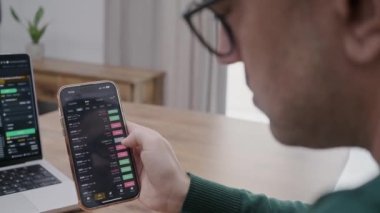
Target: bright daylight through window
(239,98)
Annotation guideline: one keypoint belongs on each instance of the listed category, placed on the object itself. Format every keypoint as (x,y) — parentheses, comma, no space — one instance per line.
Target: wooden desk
(233,152)
(136,85)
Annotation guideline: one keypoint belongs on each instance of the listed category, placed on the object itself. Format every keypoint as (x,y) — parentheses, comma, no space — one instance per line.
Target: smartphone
(103,169)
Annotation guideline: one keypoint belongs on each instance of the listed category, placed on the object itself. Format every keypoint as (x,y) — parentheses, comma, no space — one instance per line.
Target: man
(314,66)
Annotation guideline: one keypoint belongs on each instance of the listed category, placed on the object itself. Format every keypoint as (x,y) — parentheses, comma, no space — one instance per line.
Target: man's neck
(375,151)
(375,146)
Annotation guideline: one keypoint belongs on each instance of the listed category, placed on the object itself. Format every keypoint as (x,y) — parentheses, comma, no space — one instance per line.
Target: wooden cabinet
(135,85)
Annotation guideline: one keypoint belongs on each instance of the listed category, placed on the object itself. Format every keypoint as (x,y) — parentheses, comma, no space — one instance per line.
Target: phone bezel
(68,147)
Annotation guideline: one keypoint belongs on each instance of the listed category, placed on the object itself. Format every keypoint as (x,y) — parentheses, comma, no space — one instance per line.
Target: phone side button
(63,127)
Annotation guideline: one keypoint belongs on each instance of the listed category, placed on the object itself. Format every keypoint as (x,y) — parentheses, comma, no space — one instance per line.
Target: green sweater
(206,196)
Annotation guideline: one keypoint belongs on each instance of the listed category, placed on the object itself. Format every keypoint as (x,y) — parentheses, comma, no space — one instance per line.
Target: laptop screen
(19,134)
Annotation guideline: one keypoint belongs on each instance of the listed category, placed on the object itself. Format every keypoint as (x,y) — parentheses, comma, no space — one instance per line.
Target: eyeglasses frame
(195,8)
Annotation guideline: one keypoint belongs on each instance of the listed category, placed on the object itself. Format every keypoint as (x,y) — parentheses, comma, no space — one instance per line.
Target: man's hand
(164,184)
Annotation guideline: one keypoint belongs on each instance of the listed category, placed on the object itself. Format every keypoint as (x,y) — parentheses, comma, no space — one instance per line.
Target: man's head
(314,66)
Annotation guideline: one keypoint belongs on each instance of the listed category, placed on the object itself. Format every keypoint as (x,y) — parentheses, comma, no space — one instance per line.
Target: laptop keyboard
(25,178)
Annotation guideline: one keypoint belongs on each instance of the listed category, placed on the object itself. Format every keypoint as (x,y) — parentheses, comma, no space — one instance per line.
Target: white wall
(76,30)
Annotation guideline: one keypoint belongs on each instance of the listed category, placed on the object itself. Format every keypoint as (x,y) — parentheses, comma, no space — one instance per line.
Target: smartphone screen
(103,168)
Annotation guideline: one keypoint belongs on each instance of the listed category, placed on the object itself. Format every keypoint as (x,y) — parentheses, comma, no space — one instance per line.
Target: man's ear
(362,28)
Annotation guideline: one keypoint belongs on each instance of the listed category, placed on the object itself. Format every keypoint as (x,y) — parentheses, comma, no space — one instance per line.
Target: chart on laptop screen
(17,119)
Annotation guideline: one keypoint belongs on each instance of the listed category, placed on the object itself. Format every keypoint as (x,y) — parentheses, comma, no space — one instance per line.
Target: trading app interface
(95,127)
(19,137)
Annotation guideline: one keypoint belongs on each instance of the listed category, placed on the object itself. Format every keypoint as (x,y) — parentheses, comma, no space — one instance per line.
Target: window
(239,97)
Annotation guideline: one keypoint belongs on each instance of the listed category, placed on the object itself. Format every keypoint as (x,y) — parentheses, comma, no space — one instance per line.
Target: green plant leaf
(33,32)
(14,15)
(41,32)
(38,16)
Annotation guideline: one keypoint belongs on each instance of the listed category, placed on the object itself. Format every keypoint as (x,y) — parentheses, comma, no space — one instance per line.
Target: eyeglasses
(202,12)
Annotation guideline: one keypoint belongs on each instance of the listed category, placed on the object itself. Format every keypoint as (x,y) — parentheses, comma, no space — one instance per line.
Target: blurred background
(139,41)
(144,34)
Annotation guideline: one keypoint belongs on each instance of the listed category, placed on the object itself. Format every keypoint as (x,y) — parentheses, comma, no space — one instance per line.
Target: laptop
(28,183)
